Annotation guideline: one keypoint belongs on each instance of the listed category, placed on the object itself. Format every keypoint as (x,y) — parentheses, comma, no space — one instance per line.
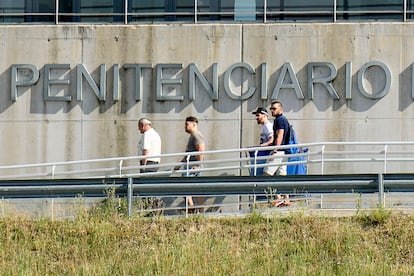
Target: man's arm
(268,142)
(144,161)
(279,136)
(200,148)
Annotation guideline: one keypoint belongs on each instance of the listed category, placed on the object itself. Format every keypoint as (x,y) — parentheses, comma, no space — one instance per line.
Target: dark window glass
(43,11)
(221,10)
(92,11)
(299,10)
(231,10)
(108,11)
(161,10)
(410,9)
(370,9)
(20,11)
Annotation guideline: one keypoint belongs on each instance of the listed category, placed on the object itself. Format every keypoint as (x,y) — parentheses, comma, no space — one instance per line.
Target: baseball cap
(260,110)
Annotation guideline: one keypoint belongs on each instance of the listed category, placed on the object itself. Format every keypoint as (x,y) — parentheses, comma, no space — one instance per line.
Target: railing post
(195,11)
(120,168)
(130,193)
(57,12)
(381,190)
(265,11)
(255,162)
(385,158)
(405,11)
(126,12)
(187,166)
(334,11)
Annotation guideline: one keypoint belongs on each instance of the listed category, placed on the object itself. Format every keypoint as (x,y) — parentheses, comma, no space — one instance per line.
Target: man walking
(280,131)
(266,138)
(195,145)
(149,145)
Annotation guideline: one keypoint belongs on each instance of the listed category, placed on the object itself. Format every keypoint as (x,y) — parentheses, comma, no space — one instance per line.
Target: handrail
(321,158)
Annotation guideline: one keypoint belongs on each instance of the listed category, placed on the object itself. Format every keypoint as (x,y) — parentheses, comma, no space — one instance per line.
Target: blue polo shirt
(281,122)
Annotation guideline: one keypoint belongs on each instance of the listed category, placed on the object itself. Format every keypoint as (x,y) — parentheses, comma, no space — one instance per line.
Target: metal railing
(229,195)
(197,13)
(341,176)
(319,158)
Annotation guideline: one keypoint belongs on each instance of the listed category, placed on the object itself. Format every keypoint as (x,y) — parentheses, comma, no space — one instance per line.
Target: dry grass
(374,244)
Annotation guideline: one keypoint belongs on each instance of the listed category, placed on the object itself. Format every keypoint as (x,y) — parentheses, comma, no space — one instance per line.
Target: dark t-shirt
(281,123)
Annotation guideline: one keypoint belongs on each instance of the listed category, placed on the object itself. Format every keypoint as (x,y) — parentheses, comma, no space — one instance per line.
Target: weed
(375,217)
(253,245)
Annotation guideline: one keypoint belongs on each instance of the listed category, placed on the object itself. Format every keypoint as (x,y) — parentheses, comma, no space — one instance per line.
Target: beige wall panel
(35,130)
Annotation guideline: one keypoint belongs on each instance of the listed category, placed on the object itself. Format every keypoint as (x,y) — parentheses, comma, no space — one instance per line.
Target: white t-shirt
(151,141)
(267,132)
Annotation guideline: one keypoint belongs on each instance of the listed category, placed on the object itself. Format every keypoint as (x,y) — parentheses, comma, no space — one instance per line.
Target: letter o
(385,90)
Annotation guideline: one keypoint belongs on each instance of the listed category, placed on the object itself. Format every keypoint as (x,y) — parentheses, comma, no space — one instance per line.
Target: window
(370,9)
(299,10)
(161,10)
(20,11)
(93,11)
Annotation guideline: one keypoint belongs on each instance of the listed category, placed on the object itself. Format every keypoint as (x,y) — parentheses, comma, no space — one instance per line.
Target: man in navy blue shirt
(280,131)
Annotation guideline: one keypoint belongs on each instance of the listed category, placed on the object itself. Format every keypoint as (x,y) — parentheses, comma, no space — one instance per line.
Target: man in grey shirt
(195,144)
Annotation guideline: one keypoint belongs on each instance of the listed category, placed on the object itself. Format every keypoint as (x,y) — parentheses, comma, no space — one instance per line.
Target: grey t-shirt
(195,139)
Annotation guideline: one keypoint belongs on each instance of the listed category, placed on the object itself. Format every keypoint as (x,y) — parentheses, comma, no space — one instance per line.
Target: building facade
(75,79)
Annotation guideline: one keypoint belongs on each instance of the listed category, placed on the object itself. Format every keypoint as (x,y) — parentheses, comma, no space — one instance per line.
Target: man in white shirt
(266,135)
(266,138)
(149,145)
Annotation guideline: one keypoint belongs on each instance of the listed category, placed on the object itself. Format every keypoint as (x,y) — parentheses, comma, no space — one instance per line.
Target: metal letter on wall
(160,81)
(14,78)
(115,88)
(47,82)
(263,92)
(348,80)
(138,80)
(227,80)
(287,68)
(212,90)
(325,81)
(387,85)
(100,91)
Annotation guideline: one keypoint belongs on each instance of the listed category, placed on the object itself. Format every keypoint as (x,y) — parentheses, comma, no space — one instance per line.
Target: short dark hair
(277,102)
(191,119)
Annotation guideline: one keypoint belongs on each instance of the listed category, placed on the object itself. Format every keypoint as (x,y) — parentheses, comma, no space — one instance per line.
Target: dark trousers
(145,170)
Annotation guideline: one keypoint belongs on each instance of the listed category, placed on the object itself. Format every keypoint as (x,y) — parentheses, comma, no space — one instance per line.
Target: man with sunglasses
(280,131)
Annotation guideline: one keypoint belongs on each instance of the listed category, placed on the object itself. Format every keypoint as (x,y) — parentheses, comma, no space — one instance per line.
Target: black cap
(260,110)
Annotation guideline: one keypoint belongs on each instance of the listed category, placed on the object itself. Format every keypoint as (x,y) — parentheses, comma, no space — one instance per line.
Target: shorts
(275,168)
(189,173)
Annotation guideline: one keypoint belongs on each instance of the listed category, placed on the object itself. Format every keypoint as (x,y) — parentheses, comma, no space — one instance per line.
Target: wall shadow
(405,88)
(5,97)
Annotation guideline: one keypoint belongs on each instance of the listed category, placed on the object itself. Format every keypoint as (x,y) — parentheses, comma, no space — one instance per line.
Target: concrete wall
(35,128)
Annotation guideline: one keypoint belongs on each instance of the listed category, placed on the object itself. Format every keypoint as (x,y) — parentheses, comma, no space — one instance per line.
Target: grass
(101,242)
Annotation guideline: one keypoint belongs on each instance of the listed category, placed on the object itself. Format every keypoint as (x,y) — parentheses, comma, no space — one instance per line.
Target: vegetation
(104,242)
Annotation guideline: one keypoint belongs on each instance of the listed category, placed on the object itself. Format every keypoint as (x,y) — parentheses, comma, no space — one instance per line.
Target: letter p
(15,82)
